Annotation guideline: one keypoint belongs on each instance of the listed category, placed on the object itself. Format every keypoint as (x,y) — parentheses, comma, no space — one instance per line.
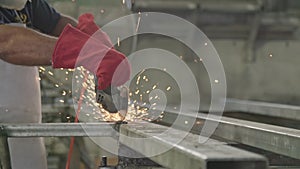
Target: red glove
(87,25)
(76,48)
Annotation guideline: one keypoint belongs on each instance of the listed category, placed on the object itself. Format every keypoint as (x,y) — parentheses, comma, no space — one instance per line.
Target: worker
(28,38)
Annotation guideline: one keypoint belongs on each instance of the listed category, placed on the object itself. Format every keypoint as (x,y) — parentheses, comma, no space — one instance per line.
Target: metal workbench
(187,152)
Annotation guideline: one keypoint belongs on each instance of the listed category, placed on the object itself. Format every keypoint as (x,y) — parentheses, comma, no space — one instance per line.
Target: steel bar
(188,153)
(281,140)
(59,130)
(263,108)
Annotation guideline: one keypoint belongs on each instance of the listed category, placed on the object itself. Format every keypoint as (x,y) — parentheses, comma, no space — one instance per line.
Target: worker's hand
(87,25)
(75,47)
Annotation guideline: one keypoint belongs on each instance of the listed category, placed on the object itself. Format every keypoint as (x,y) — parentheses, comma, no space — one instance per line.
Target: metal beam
(188,153)
(59,130)
(280,140)
(264,108)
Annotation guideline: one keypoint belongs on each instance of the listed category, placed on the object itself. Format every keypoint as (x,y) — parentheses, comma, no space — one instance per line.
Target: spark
(50,73)
(64,93)
(198,122)
(91,77)
(138,23)
(169,88)
(216,81)
(62,101)
(138,80)
(119,41)
(154,87)
(42,68)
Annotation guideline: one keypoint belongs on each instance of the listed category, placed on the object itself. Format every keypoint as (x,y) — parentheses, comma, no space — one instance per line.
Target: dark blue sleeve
(44,17)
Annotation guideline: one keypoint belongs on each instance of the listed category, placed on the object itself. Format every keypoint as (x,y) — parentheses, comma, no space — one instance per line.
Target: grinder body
(113,99)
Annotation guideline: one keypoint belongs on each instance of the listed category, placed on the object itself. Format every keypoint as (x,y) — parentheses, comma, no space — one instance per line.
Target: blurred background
(257,41)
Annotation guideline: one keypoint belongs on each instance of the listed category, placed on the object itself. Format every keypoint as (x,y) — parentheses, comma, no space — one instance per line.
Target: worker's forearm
(23,46)
(63,21)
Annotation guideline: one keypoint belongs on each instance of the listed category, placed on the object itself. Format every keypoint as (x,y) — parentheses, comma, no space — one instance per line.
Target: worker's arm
(23,46)
(27,47)
(63,21)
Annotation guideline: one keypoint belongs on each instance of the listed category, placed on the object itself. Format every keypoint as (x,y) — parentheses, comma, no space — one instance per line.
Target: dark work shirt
(36,14)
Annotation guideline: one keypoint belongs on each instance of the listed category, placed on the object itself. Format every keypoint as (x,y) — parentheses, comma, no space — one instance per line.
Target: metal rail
(264,108)
(188,153)
(59,130)
(281,140)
